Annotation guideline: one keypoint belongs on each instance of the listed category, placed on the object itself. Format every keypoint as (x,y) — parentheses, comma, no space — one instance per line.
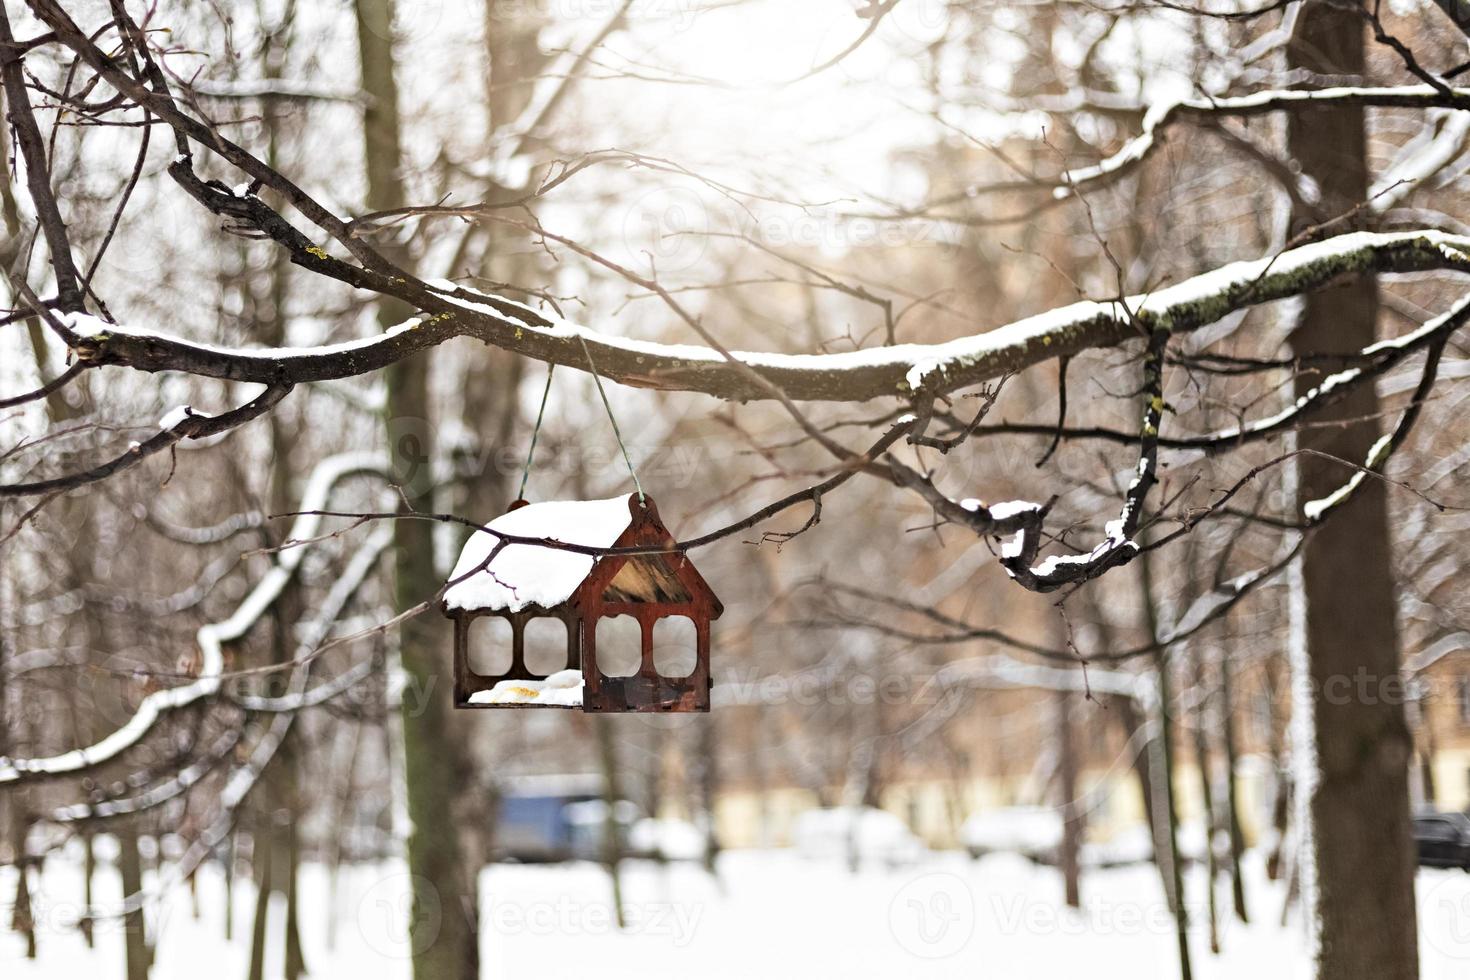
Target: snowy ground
(772,914)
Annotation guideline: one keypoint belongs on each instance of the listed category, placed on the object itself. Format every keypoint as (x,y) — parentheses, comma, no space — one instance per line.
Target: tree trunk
(1166,842)
(444,923)
(1125,711)
(1282,788)
(295,957)
(263,856)
(1360,899)
(1207,799)
(22,916)
(1232,799)
(340,817)
(612,793)
(1426,769)
(130,866)
(282,777)
(231,855)
(1067,788)
(709,786)
(22,919)
(89,877)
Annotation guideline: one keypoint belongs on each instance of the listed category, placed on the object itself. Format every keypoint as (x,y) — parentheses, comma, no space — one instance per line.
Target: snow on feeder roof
(521,583)
(525,575)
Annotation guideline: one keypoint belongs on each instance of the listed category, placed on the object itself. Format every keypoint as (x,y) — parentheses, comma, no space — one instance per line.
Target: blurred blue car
(555,818)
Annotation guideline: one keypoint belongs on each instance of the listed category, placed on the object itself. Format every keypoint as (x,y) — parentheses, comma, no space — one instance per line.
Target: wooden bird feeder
(523,582)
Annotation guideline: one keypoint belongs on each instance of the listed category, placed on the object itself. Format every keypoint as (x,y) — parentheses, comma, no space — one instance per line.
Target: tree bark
(1362,905)
(444,923)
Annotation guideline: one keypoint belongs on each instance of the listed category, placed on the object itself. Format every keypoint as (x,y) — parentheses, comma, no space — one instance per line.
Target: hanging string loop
(611,418)
(536,432)
(607,406)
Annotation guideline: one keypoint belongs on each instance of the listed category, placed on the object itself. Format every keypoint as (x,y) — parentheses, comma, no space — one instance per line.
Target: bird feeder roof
(524,575)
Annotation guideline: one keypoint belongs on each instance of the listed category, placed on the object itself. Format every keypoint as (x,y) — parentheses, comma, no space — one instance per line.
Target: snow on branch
(899,370)
(1207,608)
(179,424)
(1018,556)
(1315,511)
(277,88)
(212,636)
(315,632)
(1160,117)
(1422,159)
(1382,356)
(1004,672)
(185,779)
(1211,605)
(1025,522)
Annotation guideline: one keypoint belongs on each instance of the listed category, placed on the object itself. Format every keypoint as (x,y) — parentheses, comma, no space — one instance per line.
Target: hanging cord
(536,433)
(611,418)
